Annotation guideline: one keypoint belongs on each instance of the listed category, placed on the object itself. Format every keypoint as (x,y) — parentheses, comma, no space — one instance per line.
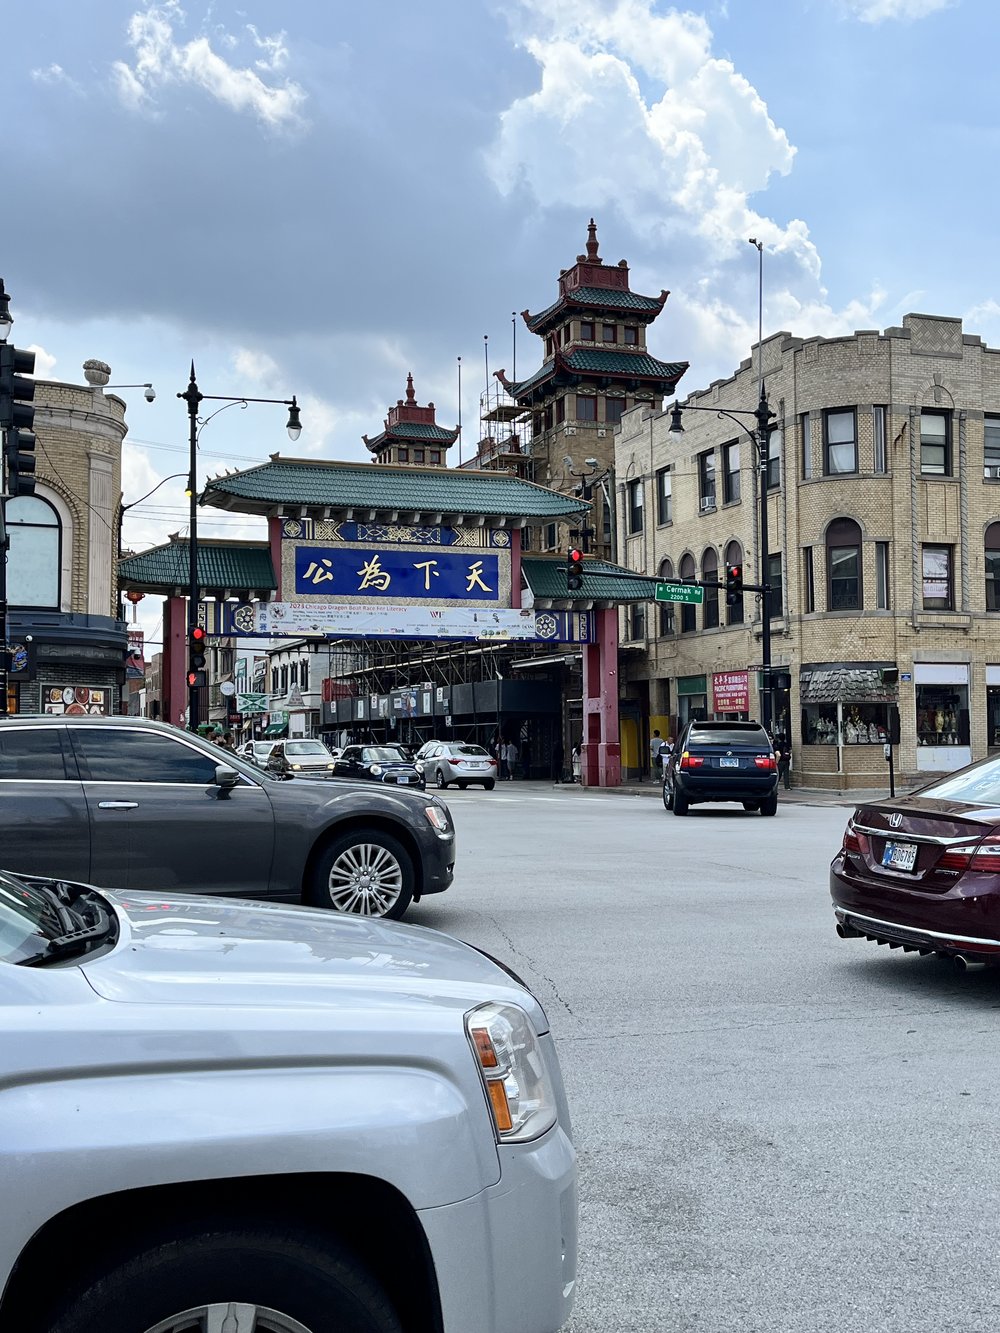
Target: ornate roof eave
(558,370)
(442,439)
(548,318)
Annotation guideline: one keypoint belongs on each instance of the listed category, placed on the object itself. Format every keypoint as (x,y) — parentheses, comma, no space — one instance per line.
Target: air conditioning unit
(570,430)
(706,503)
(601,433)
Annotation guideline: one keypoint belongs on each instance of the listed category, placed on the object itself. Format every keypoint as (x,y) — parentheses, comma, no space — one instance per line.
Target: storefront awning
(275,729)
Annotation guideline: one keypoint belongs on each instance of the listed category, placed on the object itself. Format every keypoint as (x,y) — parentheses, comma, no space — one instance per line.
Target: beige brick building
(884,537)
(68,643)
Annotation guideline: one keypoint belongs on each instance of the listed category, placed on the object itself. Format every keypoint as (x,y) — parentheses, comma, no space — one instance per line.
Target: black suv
(722,761)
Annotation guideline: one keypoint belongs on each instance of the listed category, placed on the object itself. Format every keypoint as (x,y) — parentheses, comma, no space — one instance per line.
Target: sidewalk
(795,796)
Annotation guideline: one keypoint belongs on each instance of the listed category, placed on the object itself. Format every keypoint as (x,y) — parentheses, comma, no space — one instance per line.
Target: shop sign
(386,622)
(251,704)
(731,692)
(76,700)
(387,572)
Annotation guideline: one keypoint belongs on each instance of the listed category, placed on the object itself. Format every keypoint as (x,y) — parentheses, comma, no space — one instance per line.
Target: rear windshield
(730,733)
(978,786)
(468,749)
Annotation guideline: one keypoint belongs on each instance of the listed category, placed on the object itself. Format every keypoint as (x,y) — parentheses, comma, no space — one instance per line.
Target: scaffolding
(505,439)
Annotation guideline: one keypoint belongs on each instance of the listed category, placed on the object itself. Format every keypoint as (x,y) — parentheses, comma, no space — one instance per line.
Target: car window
(351,752)
(119,755)
(469,749)
(380,754)
(729,735)
(305,747)
(34,754)
(979,785)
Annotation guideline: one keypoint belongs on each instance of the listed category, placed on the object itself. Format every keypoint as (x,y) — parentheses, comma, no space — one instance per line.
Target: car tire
(680,804)
(668,797)
(364,873)
(440,780)
(462,786)
(489,785)
(769,805)
(750,806)
(283,1278)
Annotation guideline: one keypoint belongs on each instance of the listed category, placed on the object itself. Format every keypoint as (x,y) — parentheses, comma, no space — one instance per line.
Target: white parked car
(257,751)
(219,1116)
(445,762)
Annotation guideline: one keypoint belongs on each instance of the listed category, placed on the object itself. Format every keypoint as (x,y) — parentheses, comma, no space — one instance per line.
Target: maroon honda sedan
(922,872)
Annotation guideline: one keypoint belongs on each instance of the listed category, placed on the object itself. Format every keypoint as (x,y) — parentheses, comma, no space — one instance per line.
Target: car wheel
(489,785)
(364,873)
(769,805)
(462,786)
(268,1280)
(680,804)
(750,805)
(441,780)
(668,797)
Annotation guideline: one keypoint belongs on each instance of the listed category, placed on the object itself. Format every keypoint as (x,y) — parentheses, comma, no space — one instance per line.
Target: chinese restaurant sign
(395,573)
(730,692)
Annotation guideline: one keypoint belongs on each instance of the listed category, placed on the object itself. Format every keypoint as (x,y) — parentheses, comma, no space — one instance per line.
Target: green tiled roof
(547,580)
(604,298)
(598,361)
(381,487)
(220,565)
(416,430)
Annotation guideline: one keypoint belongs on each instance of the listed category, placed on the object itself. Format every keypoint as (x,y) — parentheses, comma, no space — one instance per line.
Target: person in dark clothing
(783,748)
(558,761)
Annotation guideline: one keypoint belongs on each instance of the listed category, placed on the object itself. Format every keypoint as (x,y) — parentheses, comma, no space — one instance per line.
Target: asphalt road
(778,1130)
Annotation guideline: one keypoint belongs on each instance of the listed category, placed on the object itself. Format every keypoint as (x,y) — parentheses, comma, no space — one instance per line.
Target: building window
(635,499)
(613,409)
(992,544)
(547,418)
(730,473)
(942,714)
(938,592)
(666,608)
(637,620)
(403,455)
(560,410)
(549,346)
(688,618)
(734,556)
(880,456)
(586,408)
(435,455)
(774,597)
(706,480)
(991,448)
(843,556)
(710,575)
(418,455)
(34,558)
(840,442)
(808,580)
(536,424)
(631,338)
(807,449)
(551,536)
(774,460)
(587,331)
(882,579)
(304,674)
(609,333)
(935,444)
(664,499)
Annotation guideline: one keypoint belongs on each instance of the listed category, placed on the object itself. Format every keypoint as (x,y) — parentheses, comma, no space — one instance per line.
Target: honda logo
(894,820)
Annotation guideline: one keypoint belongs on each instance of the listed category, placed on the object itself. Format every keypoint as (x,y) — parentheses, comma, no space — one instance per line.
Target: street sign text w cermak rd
(679,592)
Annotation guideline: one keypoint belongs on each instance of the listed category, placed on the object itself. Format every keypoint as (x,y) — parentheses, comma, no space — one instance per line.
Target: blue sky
(317,197)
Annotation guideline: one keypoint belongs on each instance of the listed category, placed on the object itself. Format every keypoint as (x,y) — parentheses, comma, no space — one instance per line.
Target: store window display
(942,714)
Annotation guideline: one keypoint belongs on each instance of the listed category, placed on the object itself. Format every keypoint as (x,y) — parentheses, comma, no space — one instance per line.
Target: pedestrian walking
(656,744)
(511,757)
(783,754)
(558,761)
(501,757)
(576,763)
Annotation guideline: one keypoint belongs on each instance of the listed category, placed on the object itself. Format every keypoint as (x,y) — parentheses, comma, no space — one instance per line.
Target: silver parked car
(445,762)
(141,805)
(256,752)
(302,758)
(218,1116)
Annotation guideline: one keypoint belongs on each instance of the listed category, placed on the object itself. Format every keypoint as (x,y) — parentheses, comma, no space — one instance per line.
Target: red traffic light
(576,556)
(197,634)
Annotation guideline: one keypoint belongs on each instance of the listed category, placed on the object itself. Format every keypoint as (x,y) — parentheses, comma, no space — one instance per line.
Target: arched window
(843,566)
(34,561)
(992,545)
(688,619)
(666,608)
(734,556)
(710,574)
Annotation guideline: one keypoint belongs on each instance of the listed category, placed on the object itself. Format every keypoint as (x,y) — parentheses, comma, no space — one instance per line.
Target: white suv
(218,1116)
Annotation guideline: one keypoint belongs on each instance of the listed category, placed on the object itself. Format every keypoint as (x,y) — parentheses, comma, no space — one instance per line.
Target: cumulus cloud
(55,75)
(44,362)
(879,11)
(254,365)
(161,60)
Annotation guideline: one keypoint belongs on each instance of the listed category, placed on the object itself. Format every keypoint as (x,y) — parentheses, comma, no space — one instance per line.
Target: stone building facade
(883,486)
(67,640)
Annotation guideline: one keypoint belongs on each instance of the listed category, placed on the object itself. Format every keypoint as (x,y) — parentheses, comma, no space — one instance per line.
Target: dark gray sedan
(133,804)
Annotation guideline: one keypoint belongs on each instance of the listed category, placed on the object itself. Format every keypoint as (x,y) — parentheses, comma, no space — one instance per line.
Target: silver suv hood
(216,951)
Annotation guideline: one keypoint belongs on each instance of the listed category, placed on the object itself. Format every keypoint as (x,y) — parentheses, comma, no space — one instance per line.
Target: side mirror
(225,777)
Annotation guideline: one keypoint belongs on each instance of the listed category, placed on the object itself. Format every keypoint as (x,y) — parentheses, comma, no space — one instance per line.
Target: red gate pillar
(601,756)
(174,669)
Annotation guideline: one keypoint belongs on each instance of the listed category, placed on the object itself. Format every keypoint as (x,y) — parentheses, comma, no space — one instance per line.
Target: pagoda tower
(596,367)
(411,436)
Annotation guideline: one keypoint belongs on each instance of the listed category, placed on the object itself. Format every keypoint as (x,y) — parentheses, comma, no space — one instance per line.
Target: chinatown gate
(376,552)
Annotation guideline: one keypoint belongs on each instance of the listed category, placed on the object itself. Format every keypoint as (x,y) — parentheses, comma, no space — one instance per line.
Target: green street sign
(679,592)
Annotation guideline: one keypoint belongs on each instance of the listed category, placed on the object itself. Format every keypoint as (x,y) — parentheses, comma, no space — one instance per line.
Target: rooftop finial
(410,395)
(592,254)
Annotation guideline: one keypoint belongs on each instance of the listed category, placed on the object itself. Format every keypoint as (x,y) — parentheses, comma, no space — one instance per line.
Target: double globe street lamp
(196,676)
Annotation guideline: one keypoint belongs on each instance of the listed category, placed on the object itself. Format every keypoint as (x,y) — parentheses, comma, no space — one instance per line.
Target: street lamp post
(194,398)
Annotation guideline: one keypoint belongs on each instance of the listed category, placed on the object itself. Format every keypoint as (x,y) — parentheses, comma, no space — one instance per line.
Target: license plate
(729,763)
(899,855)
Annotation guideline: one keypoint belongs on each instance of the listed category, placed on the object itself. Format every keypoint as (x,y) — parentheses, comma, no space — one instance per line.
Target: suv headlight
(513,1071)
(375,769)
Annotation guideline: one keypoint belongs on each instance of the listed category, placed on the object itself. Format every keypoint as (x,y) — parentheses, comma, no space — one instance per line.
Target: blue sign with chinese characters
(440,575)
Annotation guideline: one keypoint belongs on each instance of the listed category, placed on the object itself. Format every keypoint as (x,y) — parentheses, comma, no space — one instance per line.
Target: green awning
(275,729)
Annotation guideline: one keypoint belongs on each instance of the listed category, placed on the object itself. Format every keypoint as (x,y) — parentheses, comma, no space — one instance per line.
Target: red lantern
(135,597)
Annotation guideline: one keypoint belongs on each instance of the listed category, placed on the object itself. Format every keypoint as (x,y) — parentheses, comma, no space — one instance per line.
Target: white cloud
(878,11)
(254,365)
(44,362)
(161,60)
(55,74)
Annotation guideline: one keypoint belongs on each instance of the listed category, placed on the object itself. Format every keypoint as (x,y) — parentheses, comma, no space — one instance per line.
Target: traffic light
(574,570)
(197,676)
(734,584)
(17,417)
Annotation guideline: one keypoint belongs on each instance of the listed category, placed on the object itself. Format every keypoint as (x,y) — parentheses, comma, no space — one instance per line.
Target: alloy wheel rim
(366,880)
(229,1317)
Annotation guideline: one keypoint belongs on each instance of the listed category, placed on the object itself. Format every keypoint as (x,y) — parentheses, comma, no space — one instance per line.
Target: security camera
(591,462)
(150,393)
(568,461)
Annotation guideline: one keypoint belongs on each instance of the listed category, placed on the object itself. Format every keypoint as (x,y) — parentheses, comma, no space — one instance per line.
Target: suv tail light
(767,761)
(691,760)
